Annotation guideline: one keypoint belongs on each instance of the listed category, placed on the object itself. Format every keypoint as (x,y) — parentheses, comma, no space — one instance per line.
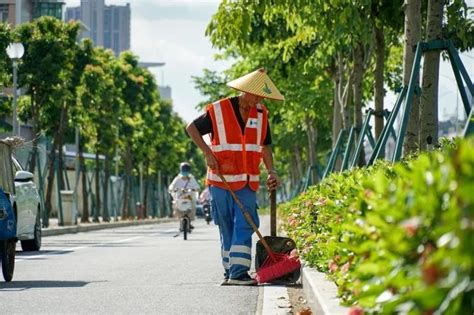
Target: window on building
(107,40)
(4,12)
(116,19)
(94,21)
(48,8)
(107,22)
(116,43)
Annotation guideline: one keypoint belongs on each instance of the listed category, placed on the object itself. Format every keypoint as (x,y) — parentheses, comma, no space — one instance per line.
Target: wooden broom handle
(248,218)
(273,212)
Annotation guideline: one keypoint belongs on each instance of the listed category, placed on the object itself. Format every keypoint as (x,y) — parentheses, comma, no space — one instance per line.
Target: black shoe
(244,279)
(225,281)
(191,226)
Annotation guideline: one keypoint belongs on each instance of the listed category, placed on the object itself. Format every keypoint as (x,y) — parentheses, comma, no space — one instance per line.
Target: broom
(275,265)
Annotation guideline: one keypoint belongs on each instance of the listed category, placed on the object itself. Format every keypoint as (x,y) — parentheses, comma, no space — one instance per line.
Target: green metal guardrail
(405,98)
(460,73)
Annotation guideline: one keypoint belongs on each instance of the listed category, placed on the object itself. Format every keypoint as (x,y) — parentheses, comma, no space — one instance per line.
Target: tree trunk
(412,37)
(299,164)
(379,79)
(127,182)
(430,81)
(336,113)
(336,104)
(105,190)
(345,95)
(36,135)
(49,187)
(145,193)
(57,145)
(125,200)
(59,139)
(97,187)
(85,199)
(34,152)
(311,134)
(357,85)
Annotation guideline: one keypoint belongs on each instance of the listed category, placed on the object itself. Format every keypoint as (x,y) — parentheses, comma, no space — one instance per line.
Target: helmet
(185,168)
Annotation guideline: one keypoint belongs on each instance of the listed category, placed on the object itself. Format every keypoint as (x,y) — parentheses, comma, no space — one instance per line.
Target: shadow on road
(42,252)
(40,284)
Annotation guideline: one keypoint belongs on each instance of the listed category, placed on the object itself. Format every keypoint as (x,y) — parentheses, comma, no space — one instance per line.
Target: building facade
(29,10)
(108,25)
(165,92)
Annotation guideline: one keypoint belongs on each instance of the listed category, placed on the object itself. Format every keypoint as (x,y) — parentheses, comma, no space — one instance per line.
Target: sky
(172,31)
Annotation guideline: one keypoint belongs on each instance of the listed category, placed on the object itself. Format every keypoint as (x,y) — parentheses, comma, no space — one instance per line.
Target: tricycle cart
(7,212)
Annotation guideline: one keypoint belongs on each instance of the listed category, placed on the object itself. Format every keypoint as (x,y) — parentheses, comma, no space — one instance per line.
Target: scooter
(207,211)
(184,205)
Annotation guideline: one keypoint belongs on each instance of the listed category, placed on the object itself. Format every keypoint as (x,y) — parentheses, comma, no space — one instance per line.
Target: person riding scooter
(183,182)
(205,200)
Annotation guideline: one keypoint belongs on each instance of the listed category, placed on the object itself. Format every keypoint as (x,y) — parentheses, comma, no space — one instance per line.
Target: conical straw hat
(257,83)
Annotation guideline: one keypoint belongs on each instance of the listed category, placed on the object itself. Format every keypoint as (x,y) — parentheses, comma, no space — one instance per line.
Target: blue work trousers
(235,232)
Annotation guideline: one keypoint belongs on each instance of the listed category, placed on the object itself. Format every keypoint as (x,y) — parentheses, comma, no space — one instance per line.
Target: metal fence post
(347,151)
(409,102)
(382,141)
(334,154)
(469,128)
(458,69)
(307,180)
(362,134)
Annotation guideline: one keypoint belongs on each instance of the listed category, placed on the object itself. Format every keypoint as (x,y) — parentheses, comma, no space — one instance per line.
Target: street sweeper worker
(183,182)
(240,139)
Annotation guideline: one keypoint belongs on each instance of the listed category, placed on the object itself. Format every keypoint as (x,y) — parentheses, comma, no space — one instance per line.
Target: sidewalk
(55,229)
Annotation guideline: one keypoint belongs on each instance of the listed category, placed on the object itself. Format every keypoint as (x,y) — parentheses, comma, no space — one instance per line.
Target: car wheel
(35,243)
(7,256)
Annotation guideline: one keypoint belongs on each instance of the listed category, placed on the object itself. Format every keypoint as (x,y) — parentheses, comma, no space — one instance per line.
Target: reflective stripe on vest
(232,178)
(220,123)
(236,147)
(238,154)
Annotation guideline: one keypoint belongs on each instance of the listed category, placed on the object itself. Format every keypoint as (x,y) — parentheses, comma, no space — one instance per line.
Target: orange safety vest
(238,155)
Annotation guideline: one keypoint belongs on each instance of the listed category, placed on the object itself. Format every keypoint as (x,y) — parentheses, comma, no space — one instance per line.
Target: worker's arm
(272,180)
(211,160)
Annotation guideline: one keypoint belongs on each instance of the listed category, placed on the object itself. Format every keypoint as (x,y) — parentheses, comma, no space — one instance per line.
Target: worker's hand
(272,181)
(211,160)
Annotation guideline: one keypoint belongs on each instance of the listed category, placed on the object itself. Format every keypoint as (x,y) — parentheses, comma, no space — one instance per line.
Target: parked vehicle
(26,202)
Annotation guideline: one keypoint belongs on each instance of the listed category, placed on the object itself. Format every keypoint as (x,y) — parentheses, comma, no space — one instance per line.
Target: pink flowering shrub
(394,238)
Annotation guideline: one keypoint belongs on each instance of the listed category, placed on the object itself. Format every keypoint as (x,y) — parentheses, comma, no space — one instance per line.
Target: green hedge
(394,238)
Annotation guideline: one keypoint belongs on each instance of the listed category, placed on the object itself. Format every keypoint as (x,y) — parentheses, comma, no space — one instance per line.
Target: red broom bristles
(274,269)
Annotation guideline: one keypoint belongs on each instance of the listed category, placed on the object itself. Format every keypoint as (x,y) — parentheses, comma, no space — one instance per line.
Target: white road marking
(73,249)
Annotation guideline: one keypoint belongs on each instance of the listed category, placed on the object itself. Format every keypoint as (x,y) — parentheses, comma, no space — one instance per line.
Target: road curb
(99,226)
(321,293)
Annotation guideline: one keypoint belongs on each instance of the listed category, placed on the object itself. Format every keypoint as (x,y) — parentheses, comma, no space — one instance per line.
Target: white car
(26,204)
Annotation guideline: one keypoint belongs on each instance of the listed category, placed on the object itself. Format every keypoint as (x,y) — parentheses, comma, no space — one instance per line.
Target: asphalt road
(140,270)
